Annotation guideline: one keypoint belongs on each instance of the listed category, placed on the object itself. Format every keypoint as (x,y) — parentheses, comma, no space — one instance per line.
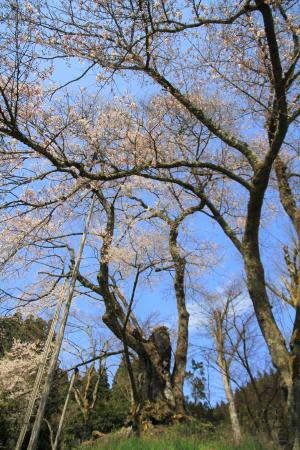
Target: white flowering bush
(18,368)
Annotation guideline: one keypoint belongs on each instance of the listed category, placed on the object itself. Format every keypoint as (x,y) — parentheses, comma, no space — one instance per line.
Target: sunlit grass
(170,443)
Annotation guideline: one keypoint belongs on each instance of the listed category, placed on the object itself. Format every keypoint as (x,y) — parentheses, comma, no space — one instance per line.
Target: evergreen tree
(30,329)
(109,411)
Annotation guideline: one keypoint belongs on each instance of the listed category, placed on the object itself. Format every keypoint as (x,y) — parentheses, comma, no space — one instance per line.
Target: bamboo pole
(53,361)
(41,369)
(62,417)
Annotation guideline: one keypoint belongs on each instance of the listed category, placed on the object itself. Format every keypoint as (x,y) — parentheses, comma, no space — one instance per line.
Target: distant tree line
(109,407)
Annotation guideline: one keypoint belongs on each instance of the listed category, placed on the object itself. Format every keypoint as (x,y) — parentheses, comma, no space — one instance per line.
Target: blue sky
(160,298)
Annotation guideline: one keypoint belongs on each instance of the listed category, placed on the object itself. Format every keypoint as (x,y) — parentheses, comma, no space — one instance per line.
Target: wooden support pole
(62,417)
(41,369)
(53,361)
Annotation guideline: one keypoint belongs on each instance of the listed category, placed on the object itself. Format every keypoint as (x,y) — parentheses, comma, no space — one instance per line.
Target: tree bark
(160,392)
(224,365)
(287,362)
(156,400)
(293,398)
(235,424)
(289,204)
(257,290)
(179,370)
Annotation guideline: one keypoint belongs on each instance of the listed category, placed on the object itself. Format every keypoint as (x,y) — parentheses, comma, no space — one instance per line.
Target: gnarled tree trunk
(160,392)
(155,389)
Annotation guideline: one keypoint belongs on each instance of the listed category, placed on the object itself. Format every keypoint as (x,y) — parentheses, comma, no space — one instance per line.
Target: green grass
(170,443)
(195,435)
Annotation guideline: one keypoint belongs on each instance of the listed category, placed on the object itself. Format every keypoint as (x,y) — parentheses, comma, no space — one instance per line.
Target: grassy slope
(170,444)
(176,438)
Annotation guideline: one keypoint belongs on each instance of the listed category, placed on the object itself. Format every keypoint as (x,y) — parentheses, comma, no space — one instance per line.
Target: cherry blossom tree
(18,367)
(229,76)
(251,50)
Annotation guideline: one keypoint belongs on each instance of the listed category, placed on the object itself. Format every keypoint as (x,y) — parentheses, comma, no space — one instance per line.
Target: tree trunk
(289,203)
(287,363)
(160,394)
(293,398)
(155,391)
(235,424)
(293,416)
(257,290)
(224,365)
(180,360)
